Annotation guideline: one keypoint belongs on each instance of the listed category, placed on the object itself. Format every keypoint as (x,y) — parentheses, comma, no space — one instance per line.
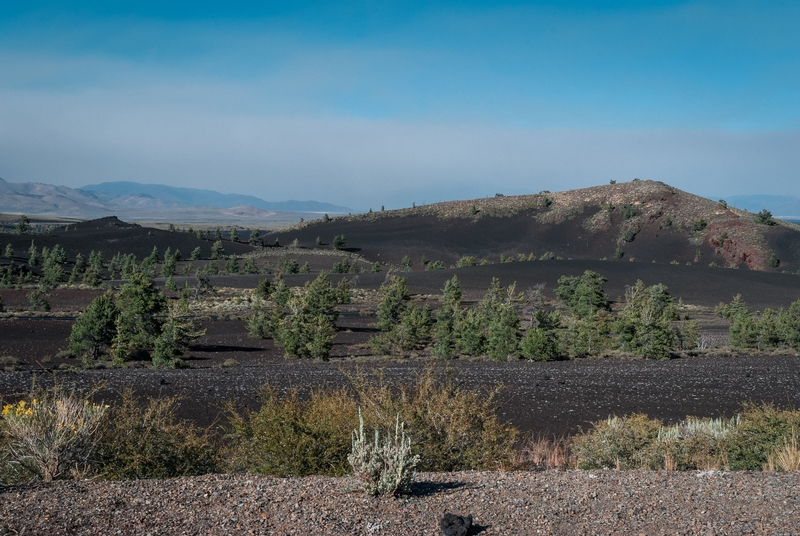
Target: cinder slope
(643,221)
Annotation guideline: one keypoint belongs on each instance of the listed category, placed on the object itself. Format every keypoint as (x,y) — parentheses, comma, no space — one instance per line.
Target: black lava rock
(453,525)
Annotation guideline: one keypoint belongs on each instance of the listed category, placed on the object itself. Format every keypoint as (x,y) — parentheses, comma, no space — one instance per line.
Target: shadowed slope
(111,235)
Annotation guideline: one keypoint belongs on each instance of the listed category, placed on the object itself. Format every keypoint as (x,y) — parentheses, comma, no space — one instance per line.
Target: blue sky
(370,103)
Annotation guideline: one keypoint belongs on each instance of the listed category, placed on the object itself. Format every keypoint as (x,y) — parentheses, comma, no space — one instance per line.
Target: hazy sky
(376,102)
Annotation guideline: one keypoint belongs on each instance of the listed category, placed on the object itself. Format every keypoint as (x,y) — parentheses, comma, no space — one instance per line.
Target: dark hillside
(111,235)
(642,220)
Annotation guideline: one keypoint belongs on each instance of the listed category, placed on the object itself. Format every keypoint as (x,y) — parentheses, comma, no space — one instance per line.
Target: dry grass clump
(541,452)
(785,458)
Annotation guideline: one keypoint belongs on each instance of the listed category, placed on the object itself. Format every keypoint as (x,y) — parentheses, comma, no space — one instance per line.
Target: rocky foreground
(551,502)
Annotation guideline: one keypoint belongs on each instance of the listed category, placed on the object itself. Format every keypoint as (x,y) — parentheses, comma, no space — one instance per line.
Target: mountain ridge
(200,197)
(35,198)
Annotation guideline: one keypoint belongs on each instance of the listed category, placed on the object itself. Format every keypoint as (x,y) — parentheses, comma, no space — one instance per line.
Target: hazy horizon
(362,105)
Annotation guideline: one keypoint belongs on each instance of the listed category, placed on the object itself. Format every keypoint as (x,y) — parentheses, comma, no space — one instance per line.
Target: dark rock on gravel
(455,525)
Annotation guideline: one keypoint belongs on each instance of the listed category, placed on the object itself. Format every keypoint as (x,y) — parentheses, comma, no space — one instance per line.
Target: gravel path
(552,502)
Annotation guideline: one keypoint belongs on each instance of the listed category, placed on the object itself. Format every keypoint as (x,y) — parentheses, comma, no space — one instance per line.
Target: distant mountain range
(134,192)
(781,206)
(151,202)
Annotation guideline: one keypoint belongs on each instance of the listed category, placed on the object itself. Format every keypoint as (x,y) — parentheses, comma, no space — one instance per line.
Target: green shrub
(735,308)
(762,429)
(345,266)
(249,266)
(339,242)
(466,261)
(217,250)
(344,292)
(765,218)
(583,294)
(23,225)
(37,301)
(628,211)
(264,324)
(52,269)
(302,325)
(289,266)
(96,327)
(469,326)
(502,339)
(444,336)
(304,335)
(452,428)
(173,338)
(149,442)
(232,266)
(540,342)
(170,285)
(435,265)
(699,225)
(394,301)
(289,435)
(644,326)
(80,267)
(586,336)
(264,289)
(619,443)
(169,268)
(752,440)
(141,307)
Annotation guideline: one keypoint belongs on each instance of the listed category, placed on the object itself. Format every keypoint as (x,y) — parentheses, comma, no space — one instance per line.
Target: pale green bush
(383,467)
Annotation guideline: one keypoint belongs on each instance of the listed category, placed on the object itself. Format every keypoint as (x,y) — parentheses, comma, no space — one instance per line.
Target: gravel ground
(541,398)
(552,502)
